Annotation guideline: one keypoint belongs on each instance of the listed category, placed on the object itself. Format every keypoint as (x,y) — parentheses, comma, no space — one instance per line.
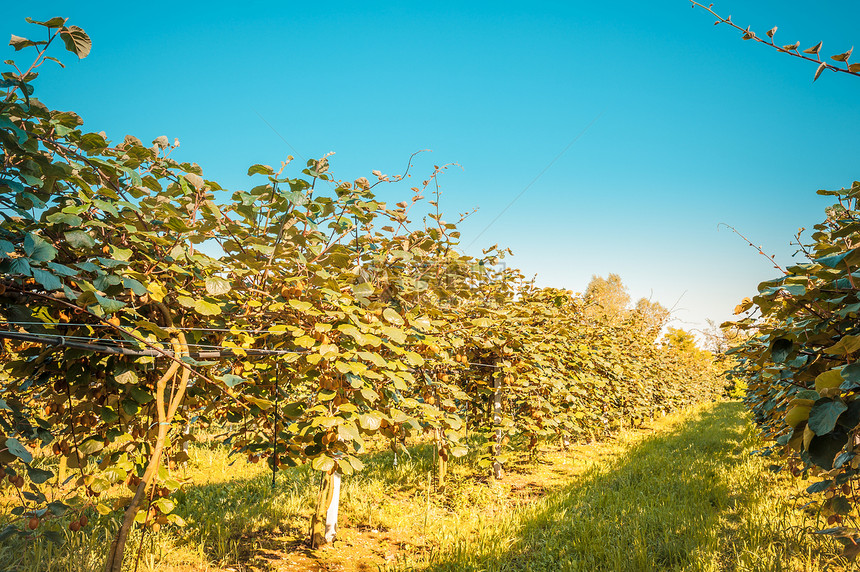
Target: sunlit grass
(692,498)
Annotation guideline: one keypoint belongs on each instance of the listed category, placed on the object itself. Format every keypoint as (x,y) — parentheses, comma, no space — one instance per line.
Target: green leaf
(823,415)
(140,395)
(824,448)
(17,449)
(77,41)
(819,487)
(781,350)
(260,170)
(20,267)
(79,239)
(130,407)
(65,218)
(62,269)
(46,279)
(38,476)
(134,286)
(20,43)
(6,248)
(231,380)
(38,249)
(108,414)
(55,22)
(851,375)
(293,410)
(91,445)
(57,508)
(216,286)
(109,305)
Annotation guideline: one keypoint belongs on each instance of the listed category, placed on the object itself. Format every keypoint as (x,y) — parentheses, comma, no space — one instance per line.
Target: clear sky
(690,126)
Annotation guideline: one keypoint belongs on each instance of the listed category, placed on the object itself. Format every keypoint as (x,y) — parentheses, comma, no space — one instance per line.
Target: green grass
(692,498)
(687,495)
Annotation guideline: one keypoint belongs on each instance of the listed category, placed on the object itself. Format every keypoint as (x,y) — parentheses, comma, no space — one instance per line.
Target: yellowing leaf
(206,308)
(797,414)
(828,379)
(846,345)
(156,291)
(394,334)
(263,404)
(301,305)
(414,359)
(392,316)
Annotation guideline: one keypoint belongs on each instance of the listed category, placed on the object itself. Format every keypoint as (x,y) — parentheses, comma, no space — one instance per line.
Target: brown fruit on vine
(83,520)
(34,523)
(156,527)
(75,526)
(846,490)
(114,321)
(832,519)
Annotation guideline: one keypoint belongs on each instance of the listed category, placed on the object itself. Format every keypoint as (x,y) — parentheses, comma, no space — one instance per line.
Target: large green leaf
(79,239)
(781,349)
(46,279)
(77,41)
(824,448)
(38,249)
(823,415)
(16,448)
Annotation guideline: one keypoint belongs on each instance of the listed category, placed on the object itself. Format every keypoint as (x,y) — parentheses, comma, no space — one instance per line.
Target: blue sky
(692,127)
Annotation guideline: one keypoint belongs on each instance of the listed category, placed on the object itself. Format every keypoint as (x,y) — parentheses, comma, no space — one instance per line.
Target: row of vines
(796,342)
(139,298)
(800,364)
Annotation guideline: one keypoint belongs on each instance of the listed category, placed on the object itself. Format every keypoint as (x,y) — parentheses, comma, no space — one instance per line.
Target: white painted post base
(331,513)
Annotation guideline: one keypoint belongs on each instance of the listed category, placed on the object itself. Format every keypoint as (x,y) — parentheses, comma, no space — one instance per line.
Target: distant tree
(650,317)
(681,340)
(607,297)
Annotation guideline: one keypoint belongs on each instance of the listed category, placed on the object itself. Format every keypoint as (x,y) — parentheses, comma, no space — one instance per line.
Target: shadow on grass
(686,499)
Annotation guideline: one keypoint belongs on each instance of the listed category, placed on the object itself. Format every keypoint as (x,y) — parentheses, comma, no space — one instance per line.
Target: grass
(684,495)
(690,498)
